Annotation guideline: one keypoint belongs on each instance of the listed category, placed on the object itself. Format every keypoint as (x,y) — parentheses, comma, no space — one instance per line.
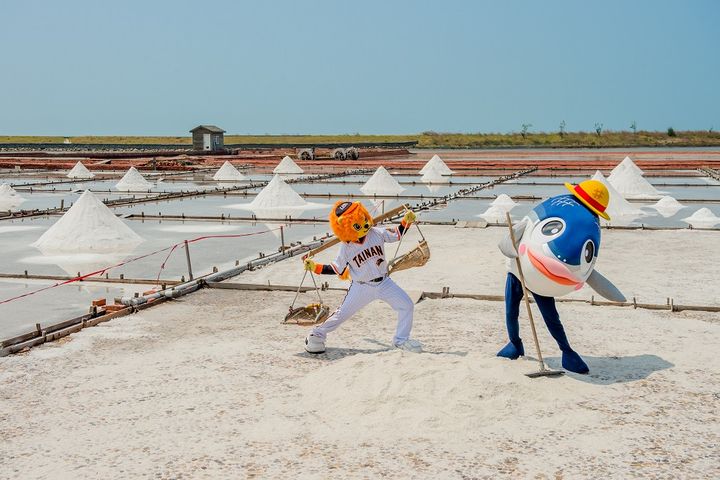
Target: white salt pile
(9,193)
(80,171)
(434,174)
(381,183)
(618,206)
(287,166)
(228,173)
(88,227)
(436,163)
(703,218)
(630,183)
(9,198)
(133,180)
(495,214)
(277,200)
(277,194)
(626,164)
(667,206)
(504,200)
(498,208)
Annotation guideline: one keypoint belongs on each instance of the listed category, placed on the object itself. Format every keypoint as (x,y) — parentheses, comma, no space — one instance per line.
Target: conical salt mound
(495,214)
(433,174)
(228,173)
(133,180)
(88,227)
(626,164)
(287,165)
(668,206)
(631,184)
(80,171)
(504,200)
(277,194)
(618,206)
(381,183)
(9,198)
(7,192)
(703,217)
(436,163)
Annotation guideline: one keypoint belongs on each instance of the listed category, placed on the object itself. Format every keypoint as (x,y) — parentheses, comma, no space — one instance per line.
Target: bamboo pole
(389,214)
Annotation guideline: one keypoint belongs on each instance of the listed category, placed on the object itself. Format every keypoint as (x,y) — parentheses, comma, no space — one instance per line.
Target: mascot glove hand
(409,217)
(310,265)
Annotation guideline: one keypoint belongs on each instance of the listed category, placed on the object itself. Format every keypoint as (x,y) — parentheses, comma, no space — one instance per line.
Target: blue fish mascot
(558,244)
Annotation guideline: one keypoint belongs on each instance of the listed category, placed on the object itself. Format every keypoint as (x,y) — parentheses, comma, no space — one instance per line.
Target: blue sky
(289,67)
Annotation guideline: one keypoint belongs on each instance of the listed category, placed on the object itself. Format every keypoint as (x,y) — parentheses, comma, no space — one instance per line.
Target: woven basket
(309,315)
(417,257)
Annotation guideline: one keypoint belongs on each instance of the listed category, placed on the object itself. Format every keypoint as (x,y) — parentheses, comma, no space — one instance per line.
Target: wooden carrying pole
(543,372)
(335,240)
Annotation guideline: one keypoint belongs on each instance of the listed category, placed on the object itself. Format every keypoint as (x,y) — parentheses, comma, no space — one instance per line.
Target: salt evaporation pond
(69,301)
(66,302)
(51,306)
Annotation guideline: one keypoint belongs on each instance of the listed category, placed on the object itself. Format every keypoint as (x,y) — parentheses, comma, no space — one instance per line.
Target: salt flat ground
(212,386)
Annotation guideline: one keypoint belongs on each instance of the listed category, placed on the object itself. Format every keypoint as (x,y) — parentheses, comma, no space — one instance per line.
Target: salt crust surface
(229,392)
(455,412)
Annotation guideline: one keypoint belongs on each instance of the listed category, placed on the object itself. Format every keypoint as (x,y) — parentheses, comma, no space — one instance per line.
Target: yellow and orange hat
(593,194)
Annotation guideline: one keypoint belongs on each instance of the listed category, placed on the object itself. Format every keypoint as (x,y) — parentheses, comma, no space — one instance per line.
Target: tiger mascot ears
(350,221)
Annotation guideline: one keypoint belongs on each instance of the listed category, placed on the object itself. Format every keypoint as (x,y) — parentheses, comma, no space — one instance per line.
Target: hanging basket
(309,315)
(417,257)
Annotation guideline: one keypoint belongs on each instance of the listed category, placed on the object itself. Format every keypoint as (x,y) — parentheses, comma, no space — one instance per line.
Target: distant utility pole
(633,127)
(525,127)
(598,128)
(562,128)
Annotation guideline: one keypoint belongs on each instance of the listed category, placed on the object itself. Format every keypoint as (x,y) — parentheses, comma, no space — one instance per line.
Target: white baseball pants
(361,294)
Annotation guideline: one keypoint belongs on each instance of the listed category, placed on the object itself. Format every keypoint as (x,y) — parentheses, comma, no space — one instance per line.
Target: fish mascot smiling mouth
(558,246)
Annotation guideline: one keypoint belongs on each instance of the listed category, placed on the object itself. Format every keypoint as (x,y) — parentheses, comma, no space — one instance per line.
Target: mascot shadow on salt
(361,258)
(557,244)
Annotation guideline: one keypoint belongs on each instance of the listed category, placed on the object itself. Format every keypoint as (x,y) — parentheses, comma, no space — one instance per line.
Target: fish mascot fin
(604,287)
(506,246)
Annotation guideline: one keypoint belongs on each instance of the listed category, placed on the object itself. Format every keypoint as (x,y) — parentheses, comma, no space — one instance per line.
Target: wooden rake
(543,371)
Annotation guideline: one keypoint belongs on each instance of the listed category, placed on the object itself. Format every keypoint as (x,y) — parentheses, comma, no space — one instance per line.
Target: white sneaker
(314,344)
(410,345)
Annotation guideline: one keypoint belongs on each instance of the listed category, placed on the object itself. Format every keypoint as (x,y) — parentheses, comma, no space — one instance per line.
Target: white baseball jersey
(366,260)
